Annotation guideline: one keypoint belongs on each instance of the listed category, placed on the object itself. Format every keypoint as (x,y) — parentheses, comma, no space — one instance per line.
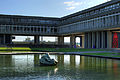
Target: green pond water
(70,67)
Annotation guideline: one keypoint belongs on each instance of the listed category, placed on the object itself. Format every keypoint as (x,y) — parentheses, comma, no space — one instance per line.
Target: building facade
(97,27)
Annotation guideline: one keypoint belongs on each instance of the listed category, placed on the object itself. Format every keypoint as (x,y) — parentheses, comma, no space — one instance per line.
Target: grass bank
(65,49)
(47,49)
(15,49)
(104,54)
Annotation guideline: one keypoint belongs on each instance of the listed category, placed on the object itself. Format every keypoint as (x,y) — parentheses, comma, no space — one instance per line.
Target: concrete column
(36,39)
(112,20)
(97,40)
(60,40)
(8,39)
(93,39)
(103,39)
(4,39)
(115,20)
(72,41)
(86,40)
(83,40)
(89,40)
(109,39)
(80,41)
(119,20)
(109,23)
(41,39)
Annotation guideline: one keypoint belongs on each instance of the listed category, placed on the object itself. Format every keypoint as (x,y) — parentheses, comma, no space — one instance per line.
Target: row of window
(101,10)
(41,29)
(101,22)
(22,20)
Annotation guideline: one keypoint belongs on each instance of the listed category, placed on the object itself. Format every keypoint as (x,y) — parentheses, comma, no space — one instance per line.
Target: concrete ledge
(60,53)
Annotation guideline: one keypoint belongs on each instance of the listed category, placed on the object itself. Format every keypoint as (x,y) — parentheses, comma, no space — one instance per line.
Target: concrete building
(97,27)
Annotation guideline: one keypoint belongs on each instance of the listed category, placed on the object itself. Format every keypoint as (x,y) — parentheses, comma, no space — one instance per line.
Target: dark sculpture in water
(47,61)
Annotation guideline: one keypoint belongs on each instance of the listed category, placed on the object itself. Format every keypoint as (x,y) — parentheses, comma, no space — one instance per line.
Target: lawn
(27,49)
(47,49)
(65,49)
(15,49)
(104,54)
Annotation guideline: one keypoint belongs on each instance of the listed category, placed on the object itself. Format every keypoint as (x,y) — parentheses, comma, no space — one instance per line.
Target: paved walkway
(56,52)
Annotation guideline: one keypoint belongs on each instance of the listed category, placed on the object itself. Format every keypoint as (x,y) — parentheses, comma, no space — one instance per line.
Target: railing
(18,29)
(110,21)
(105,22)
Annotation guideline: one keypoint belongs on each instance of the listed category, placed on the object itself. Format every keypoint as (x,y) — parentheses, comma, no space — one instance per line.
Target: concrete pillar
(72,41)
(36,39)
(83,40)
(103,39)
(86,40)
(97,40)
(8,39)
(4,39)
(60,40)
(80,41)
(89,40)
(109,39)
(41,39)
(93,39)
(119,20)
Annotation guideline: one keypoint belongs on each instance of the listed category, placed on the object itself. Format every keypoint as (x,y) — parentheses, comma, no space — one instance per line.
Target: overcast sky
(46,8)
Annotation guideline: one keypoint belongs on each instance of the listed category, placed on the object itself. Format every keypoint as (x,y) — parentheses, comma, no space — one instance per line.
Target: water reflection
(72,67)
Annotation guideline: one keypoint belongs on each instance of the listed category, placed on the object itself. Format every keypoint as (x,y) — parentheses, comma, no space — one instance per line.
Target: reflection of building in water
(60,59)
(67,59)
(5,60)
(36,59)
(100,64)
(77,60)
(82,61)
(72,60)
(23,63)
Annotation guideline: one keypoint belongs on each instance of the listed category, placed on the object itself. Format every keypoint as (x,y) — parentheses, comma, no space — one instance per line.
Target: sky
(45,8)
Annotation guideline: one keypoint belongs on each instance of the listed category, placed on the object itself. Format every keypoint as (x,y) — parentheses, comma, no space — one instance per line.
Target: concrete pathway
(56,52)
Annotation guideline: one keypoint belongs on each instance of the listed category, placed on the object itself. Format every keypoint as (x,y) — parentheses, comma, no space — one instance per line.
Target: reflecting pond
(70,67)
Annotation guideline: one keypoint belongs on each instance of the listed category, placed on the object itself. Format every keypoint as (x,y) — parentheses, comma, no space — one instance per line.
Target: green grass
(14,48)
(47,49)
(99,53)
(27,49)
(65,49)
(21,48)
(104,54)
(43,49)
